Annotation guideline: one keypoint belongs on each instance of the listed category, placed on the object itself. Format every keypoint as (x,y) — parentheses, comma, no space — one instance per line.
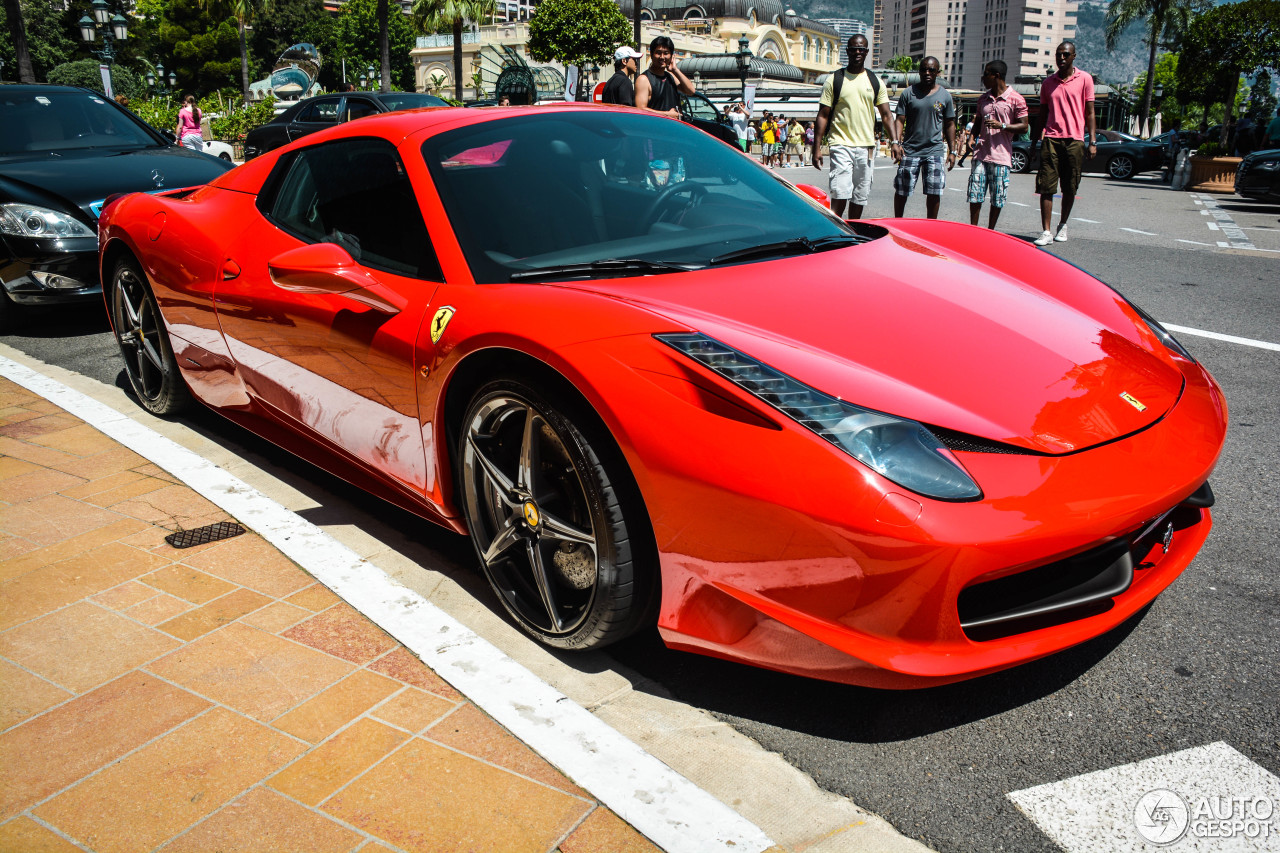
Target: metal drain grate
(202,535)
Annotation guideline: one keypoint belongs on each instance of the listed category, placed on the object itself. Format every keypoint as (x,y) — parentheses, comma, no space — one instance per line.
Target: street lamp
(372,79)
(156,80)
(113,27)
(364,80)
(743,57)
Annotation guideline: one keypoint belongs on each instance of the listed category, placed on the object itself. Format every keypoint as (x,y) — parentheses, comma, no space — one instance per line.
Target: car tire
(559,532)
(1018,162)
(225,156)
(1120,167)
(144,342)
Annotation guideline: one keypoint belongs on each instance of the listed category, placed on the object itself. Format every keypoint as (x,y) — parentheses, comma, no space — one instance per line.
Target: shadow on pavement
(60,321)
(856,714)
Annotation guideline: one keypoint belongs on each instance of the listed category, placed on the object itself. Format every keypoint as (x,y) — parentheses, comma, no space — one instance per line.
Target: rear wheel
(555,533)
(1120,167)
(1018,162)
(144,342)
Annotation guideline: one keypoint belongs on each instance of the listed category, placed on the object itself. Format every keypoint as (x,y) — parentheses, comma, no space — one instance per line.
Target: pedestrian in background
(658,88)
(928,147)
(808,137)
(795,139)
(846,112)
(753,134)
(1001,115)
(620,89)
(188,131)
(1066,104)
(768,138)
(740,117)
(966,142)
(1273,132)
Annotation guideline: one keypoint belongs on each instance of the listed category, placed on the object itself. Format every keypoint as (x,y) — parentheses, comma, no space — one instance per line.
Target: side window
(700,108)
(358,108)
(320,112)
(355,193)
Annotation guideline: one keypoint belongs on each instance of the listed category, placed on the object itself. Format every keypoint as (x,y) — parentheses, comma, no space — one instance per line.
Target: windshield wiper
(794,246)
(608,267)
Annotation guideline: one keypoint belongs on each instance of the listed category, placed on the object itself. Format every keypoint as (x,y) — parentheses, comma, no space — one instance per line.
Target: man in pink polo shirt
(1001,114)
(1066,107)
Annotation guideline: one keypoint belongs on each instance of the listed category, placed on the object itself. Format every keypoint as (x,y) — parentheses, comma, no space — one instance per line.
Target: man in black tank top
(658,88)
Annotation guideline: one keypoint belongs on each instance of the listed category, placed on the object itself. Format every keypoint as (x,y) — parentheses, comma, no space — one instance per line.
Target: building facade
(966,34)
(848,28)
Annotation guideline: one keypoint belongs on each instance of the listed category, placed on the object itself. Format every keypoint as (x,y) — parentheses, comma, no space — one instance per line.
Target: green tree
(901,62)
(1166,77)
(245,12)
(1224,43)
(356,34)
(433,16)
(202,50)
(84,72)
(575,32)
(1262,104)
(1165,21)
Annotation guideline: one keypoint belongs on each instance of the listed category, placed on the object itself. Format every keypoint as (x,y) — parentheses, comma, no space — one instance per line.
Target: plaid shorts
(988,176)
(934,170)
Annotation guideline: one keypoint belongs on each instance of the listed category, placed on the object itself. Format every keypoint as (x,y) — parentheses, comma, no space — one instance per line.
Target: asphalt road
(1197,667)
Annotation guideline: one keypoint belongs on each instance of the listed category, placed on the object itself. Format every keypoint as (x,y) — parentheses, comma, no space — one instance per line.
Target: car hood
(903,328)
(84,178)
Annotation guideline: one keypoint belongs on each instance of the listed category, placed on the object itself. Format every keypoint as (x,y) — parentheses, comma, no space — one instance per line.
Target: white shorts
(851,173)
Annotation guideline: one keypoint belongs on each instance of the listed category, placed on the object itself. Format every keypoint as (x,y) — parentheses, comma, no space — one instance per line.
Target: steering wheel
(652,214)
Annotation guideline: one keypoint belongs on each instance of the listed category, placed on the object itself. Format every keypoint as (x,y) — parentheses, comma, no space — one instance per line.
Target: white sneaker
(1044,239)
(1062,234)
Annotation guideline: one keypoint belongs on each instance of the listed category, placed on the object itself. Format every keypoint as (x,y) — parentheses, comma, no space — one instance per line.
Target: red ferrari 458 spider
(657,384)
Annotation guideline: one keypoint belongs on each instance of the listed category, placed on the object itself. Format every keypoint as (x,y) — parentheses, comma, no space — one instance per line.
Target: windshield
(63,121)
(411,101)
(560,189)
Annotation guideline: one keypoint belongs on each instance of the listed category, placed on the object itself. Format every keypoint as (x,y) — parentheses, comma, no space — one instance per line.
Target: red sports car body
(655,382)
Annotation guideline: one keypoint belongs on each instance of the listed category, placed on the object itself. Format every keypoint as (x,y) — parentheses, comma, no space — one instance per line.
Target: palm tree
(384,48)
(1166,21)
(18,32)
(244,11)
(432,16)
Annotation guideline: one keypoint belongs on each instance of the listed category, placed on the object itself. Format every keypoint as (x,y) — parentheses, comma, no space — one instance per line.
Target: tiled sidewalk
(217,697)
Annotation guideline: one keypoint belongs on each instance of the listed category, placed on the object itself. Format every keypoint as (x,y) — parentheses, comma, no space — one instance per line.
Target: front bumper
(50,272)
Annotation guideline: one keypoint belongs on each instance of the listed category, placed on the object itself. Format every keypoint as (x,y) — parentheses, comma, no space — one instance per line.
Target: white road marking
(1203,791)
(1082,219)
(1018,203)
(1136,231)
(1195,242)
(1224,223)
(663,805)
(1217,336)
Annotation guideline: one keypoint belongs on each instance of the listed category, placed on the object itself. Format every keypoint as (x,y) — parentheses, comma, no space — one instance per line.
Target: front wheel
(1120,167)
(557,536)
(144,342)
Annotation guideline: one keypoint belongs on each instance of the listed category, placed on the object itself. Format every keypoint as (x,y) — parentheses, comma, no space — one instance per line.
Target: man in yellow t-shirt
(851,125)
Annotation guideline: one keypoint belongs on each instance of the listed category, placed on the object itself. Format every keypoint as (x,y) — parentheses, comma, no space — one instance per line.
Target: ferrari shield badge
(439,322)
(1125,395)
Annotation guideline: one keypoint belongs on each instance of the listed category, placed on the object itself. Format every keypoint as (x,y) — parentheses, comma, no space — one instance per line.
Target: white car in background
(220,150)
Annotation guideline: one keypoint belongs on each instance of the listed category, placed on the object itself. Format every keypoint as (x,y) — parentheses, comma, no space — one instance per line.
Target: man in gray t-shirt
(928,146)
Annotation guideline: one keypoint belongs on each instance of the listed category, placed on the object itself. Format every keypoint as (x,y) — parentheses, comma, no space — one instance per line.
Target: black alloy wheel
(144,342)
(1120,167)
(554,531)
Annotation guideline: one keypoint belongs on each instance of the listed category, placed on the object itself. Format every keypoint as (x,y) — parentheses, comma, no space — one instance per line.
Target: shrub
(84,72)
(1210,149)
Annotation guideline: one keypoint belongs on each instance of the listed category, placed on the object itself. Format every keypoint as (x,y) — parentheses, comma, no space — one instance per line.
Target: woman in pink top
(188,131)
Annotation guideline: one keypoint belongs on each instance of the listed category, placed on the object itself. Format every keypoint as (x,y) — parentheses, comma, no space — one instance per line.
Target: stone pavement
(217,697)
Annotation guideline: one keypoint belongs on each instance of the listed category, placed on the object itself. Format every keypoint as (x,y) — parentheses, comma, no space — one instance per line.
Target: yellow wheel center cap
(531,514)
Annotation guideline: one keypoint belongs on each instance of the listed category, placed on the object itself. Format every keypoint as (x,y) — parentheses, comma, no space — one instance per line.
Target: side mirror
(814,193)
(329,268)
(168,134)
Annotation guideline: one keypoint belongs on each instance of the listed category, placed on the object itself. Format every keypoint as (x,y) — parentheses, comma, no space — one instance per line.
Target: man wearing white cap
(620,90)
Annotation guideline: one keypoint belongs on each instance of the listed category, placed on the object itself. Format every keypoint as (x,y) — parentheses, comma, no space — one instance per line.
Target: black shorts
(1060,159)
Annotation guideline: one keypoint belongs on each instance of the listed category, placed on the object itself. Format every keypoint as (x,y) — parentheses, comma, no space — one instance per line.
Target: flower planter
(1213,174)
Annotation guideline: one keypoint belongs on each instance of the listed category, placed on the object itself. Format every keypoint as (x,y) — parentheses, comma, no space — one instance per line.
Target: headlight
(1162,333)
(900,450)
(27,220)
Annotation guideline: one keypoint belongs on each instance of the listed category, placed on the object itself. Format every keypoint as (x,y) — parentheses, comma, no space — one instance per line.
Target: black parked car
(312,114)
(1119,155)
(1258,176)
(63,151)
(702,114)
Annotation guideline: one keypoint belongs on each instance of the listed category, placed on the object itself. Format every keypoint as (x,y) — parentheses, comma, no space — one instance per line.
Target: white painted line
(1203,212)
(1213,226)
(1194,242)
(1232,339)
(1082,219)
(1145,233)
(1224,223)
(1208,798)
(673,812)
(1017,203)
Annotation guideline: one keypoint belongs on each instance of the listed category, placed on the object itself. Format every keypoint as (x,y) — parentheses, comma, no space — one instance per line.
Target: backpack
(839,81)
